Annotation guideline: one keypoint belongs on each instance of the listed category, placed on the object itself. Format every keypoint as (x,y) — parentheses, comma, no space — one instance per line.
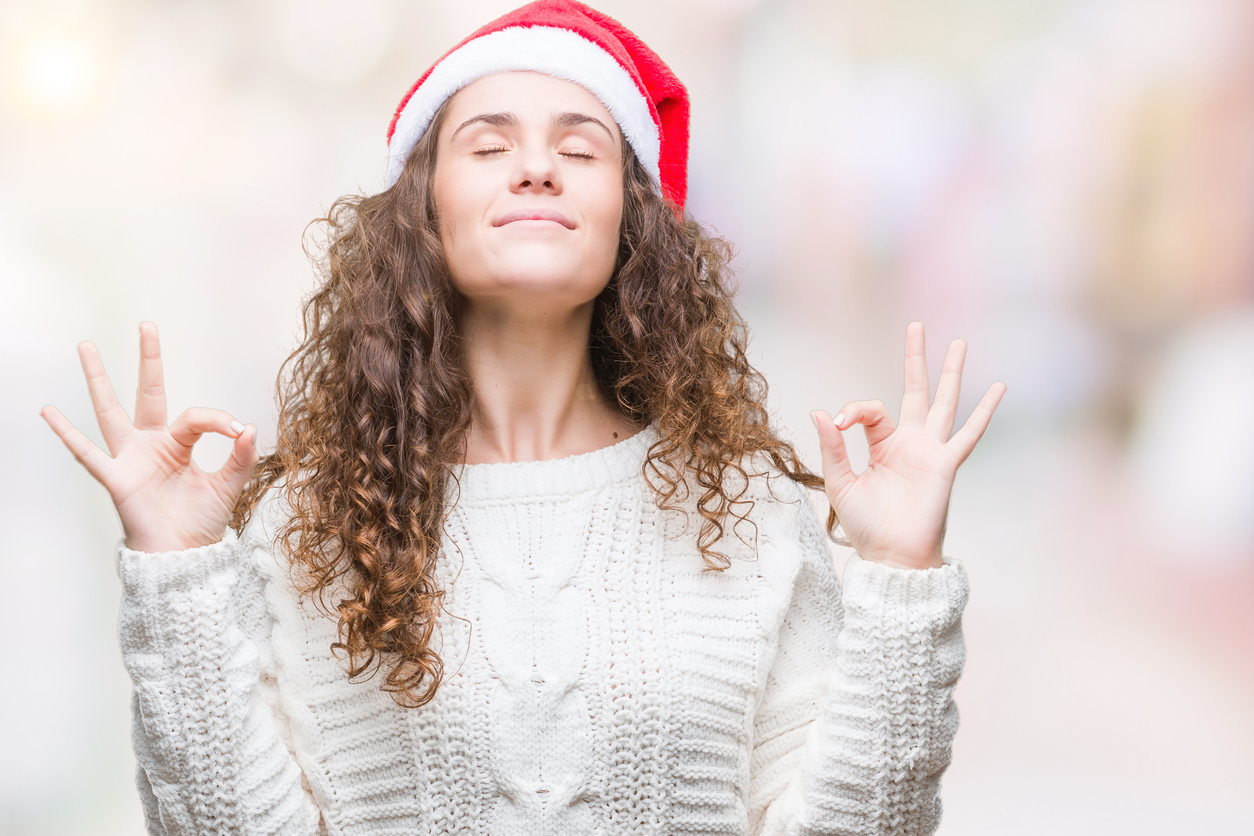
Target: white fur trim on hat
(546,49)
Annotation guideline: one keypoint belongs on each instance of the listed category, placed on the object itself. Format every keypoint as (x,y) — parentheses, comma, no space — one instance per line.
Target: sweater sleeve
(194,633)
(857,717)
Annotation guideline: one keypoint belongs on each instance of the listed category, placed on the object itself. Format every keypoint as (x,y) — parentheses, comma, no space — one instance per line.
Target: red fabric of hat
(569,40)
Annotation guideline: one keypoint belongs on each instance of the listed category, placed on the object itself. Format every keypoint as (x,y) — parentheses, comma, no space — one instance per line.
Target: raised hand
(165,501)
(894,511)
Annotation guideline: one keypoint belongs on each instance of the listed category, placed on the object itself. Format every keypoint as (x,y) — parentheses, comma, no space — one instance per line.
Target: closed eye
(497,149)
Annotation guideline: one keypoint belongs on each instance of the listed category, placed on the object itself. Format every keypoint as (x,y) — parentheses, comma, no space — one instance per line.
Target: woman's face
(529,191)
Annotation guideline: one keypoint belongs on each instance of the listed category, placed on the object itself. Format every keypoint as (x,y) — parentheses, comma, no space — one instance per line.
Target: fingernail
(237,426)
(814,417)
(254,436)
(839,419)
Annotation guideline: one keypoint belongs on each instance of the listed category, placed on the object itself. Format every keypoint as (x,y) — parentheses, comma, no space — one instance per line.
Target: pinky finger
(88,455)
(972,431)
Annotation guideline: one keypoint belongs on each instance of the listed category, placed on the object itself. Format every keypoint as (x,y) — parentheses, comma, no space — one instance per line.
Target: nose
(536,172)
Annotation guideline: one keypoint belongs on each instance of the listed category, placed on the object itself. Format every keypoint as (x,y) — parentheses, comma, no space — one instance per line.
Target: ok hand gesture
(894,511)
(165,501)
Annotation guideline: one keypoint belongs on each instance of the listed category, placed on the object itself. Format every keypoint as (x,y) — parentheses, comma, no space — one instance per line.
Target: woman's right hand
(165,501)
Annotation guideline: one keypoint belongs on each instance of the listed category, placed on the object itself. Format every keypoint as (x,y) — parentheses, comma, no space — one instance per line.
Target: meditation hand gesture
(165,501)
(894,511)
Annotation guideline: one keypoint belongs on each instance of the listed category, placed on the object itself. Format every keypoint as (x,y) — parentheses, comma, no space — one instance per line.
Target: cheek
(608,216)
(455,207)
(447,200)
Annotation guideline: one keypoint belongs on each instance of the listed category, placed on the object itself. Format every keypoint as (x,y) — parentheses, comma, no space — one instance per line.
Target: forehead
(530,96)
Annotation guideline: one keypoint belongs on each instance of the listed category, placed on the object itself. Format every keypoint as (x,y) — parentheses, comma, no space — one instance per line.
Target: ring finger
(114,423)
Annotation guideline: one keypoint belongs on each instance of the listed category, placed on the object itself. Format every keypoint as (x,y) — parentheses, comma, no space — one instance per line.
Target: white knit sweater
(599,679)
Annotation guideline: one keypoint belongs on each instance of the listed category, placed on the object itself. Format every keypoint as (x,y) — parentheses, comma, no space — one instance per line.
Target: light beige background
(1066,184)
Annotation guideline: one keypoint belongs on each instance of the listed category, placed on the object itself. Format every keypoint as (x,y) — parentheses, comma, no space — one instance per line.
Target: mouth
(542,215)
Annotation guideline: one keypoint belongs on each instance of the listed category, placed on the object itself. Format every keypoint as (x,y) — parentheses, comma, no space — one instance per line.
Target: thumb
(837,474)
(244,455)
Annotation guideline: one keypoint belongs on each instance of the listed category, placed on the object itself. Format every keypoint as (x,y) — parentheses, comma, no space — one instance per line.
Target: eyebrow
(498,119)
(561,120)
(570,120)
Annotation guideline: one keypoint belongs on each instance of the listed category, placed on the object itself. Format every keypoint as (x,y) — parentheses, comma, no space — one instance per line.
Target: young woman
(528,557)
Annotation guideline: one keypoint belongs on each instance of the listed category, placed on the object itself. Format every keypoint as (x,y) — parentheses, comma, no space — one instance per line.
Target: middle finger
(150,397)
(915,398)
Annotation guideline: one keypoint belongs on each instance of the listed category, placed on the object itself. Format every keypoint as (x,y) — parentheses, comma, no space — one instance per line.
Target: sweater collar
(567,476)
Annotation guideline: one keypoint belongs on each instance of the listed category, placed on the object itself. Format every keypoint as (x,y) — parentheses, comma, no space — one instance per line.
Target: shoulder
(780,502)
(268,516)
(260,539)
(799,568)
(792,540)
(753,491)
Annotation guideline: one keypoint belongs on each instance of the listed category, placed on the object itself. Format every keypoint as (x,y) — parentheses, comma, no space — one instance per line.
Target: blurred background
(1068,185)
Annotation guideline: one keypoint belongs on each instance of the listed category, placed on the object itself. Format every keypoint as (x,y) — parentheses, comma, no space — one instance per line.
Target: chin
(541,272)
(577,287)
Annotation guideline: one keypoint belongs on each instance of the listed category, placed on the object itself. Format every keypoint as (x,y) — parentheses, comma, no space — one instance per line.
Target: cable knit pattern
(599,679)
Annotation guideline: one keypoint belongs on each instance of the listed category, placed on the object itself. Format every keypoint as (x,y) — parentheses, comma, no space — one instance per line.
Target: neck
(536,396)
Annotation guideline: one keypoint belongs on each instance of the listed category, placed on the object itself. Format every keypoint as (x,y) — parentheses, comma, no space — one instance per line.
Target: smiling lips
(534,215)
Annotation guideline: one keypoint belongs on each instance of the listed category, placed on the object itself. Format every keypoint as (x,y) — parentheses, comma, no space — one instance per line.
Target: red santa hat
(571,41)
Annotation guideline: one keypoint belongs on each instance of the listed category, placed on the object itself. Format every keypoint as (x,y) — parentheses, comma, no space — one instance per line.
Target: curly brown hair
(375,410)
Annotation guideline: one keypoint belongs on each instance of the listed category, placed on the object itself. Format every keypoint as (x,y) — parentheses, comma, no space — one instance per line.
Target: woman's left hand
(894,511)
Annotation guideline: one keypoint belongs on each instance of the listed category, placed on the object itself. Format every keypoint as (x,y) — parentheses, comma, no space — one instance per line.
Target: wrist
(157,545)
(900,561)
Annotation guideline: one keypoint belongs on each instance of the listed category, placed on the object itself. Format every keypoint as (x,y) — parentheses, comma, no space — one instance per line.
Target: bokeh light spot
(58,73)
